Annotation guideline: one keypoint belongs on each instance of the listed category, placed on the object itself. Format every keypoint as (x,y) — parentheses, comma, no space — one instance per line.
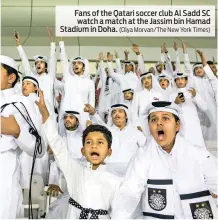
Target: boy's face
(70,122)
(163,128)
(96,148)
(128,95)
(160,67)
(118,117)
(28,87)
(40,66)
(128,68)
(164,83)
(6,80)
(199,71)
(78,67)
(181,82)
(213,68)
(147,82)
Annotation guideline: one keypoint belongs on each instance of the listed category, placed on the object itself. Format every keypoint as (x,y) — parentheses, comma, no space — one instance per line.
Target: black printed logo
(157,199)
(201,210)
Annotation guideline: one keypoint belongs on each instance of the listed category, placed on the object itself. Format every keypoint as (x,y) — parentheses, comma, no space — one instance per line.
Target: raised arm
(187,64)
(95,118)
(141,65)
(64,59)
(169,67)
(208,72)
(67,164)
(52,59)
(177,57)
(27,71)
(118,64)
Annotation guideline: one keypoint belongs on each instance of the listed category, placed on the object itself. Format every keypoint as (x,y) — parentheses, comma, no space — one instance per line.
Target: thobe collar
(42,74)
(6,95)
(102,167)
(117,128)
(72,133)
(151,90)
(131,72)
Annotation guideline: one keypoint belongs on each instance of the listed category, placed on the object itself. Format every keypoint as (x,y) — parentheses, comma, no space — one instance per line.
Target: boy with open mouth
(90,185)
(174,178)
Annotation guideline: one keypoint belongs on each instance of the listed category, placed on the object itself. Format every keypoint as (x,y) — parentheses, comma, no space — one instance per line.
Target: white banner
(141,21)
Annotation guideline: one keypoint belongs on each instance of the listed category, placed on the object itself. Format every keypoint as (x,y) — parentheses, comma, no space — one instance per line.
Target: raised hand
(175,46)
(88,108)
(17,38)
(49,30)
(135,49)
(199,52)
(192,91)
(116,54)
(42,106)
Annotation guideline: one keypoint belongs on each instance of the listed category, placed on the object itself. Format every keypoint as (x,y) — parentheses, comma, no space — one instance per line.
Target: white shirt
(84,184)
(124,145)
(10,190)
(46,80)
(189,169)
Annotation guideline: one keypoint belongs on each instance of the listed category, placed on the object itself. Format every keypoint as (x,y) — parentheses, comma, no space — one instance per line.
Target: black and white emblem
(201,210)
(157,199)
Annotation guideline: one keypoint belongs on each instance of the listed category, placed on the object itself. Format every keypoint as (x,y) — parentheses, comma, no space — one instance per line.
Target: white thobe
(162,179)
(191,127)
(84,184)
(125,143)
(142,99)
(10,189)
(46,80)
(41,164)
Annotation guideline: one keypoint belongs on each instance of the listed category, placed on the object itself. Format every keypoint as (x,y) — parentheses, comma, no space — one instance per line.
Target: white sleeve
(209,166)
(25,62)
(127,198)
(141,65)
(200,102)
(178,68)
(169,67)
(135,115)
(69,166)
(26,141)
(162,57)
(187,64)
(118,65)
(64,60)
(92,94)
(97,119)
(54,175)
(52,61)
(212,78)
(118,78)
(141,139)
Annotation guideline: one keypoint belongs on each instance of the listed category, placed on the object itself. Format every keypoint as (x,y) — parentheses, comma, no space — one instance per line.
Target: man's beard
(71,128)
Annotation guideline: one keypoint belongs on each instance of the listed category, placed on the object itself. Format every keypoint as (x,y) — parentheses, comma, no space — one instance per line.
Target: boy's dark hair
(10,71)
(175,116)
(98,128)
(185,77)
(210,62)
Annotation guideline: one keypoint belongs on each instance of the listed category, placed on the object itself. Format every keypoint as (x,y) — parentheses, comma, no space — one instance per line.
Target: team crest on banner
(157,199)
(201,210)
